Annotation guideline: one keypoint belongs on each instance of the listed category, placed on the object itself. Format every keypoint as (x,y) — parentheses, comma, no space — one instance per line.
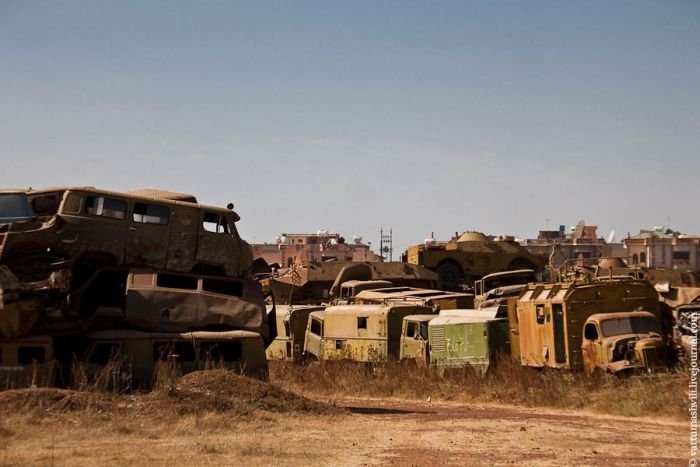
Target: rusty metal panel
(164,307)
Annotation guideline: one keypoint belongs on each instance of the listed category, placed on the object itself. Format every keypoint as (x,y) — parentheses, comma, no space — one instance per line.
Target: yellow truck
(551,322)
(362,333)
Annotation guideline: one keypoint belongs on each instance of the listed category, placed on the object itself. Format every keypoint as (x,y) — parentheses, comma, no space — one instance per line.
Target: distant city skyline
(421,117)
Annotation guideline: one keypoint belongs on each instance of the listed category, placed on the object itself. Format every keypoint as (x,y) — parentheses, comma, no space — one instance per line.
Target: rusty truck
(554,322)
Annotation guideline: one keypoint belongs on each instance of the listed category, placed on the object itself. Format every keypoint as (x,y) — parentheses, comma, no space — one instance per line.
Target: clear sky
(420,116)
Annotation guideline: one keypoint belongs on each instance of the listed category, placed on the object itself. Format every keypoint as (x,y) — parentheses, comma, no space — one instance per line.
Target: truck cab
(414,339)
(617,342)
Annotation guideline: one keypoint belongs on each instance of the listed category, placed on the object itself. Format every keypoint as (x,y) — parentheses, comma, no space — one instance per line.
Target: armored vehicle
(135,354)
(99,228)
(362,333)
(291,329)
(551,317)
(471,257)
(617,342)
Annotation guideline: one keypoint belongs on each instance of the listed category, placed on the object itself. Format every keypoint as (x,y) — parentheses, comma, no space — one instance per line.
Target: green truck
(455,339)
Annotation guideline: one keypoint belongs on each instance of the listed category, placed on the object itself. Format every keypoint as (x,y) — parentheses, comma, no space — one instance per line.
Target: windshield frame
(611,327)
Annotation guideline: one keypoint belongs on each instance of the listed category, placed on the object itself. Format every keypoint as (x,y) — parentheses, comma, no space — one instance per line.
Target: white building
(663,248)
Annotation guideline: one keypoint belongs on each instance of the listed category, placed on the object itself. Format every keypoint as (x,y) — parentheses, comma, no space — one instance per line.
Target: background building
(663,248)
(322,246)
(580,243)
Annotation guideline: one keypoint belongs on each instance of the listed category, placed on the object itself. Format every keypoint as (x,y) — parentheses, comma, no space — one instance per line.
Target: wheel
(450,275)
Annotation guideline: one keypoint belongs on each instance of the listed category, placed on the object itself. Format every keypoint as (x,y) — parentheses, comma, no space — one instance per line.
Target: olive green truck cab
(474,341)
(455,339)
(361,333)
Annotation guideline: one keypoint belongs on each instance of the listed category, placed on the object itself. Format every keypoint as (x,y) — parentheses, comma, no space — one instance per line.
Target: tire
(450,275)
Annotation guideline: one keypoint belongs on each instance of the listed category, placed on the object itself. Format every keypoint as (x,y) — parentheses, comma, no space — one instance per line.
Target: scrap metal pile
(150,275)
(77,260)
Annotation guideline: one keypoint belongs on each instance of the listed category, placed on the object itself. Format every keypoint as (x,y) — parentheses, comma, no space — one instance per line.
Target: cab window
(179,351)
(103,352)
(29,354)
(215,223)
(316,327)
(105,207)
(151,214)
(590,332)
(229,351)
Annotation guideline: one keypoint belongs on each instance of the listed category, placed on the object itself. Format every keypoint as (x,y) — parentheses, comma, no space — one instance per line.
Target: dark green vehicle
(467,341)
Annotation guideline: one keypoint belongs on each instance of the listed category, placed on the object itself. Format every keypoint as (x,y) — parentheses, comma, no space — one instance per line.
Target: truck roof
(202,335)
(368,310)
(626,314)
(471,313)
(442,320)
(144,194)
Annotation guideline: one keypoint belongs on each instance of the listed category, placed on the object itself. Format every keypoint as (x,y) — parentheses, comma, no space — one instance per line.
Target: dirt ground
(361,432)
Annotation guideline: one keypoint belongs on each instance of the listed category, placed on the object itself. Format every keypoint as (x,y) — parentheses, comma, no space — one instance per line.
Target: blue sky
(500,116)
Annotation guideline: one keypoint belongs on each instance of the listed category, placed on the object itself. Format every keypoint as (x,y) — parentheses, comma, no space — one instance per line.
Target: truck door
(184,232)
(559,338)
(93,224)
(218,247)
(148,226)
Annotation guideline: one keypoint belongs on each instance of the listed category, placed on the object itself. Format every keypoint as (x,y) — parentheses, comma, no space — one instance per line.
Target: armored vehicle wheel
(450,275)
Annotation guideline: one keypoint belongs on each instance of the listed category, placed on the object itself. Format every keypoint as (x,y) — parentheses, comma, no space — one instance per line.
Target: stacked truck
(88,273)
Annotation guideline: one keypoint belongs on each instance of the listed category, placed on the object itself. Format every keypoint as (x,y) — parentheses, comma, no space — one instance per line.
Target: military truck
(14,207)
(623,342)
(134,355)
(440,299)
(457,338)
(316,283)
(494,289)
(349,289)
(551,319)
(27,361)
(471,257)
(414,339)
(98,228)
(687,319)
(467,341)
(291,330)
(361,333)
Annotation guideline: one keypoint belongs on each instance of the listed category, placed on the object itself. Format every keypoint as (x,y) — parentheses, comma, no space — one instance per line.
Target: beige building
(322,246)
(581,244)
(663,248)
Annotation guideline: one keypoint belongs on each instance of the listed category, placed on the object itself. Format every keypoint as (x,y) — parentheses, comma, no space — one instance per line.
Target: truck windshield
(634,325)
(14,207)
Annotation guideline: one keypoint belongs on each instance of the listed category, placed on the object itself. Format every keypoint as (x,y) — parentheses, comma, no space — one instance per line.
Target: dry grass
(220,418)
(508,383)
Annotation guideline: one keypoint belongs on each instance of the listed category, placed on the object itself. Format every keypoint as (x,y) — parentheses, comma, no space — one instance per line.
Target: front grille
(437,338)
(650,358)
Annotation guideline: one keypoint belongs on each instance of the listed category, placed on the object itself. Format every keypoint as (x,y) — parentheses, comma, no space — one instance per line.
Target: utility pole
(386,244)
